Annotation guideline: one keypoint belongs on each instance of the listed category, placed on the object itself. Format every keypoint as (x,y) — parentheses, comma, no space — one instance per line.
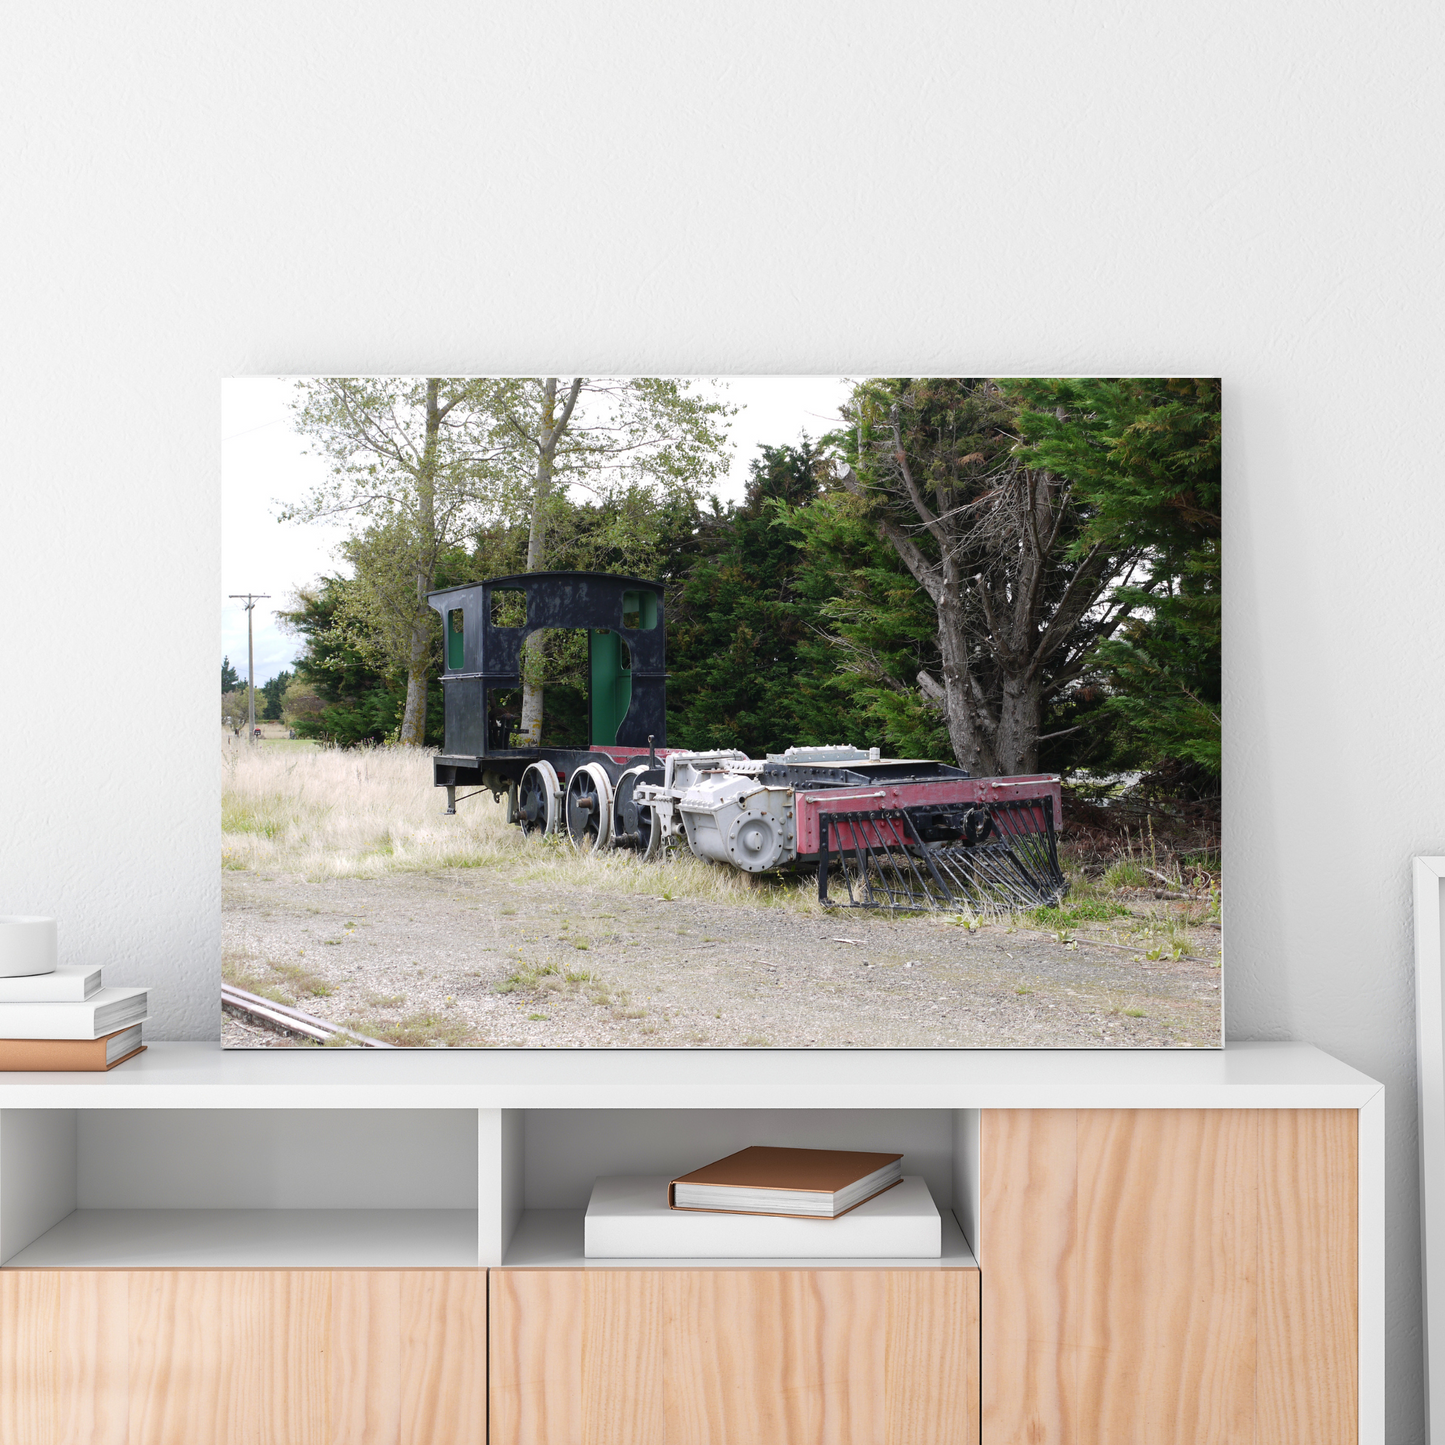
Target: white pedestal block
(628,1218)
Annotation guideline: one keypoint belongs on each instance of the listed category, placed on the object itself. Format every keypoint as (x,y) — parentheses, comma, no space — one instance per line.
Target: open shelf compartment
(167,1187)
(239,1188)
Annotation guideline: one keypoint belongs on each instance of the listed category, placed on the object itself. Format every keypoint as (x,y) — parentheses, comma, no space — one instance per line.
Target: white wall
(276,1158)
(1236,188)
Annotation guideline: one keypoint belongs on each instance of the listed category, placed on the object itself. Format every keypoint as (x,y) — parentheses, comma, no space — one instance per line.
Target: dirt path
(462,957)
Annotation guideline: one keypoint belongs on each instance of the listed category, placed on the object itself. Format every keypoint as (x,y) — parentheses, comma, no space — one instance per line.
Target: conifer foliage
(1143,455)
(744,626)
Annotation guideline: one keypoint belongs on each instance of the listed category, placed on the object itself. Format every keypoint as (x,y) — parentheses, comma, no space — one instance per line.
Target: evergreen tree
(1143,455)
(272,692)
(363,704)
(989,536)
(749,606)
(876,633)
(230,678)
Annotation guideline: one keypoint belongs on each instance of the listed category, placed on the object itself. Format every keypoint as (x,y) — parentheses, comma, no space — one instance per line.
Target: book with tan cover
(822,1173)
(77,1056)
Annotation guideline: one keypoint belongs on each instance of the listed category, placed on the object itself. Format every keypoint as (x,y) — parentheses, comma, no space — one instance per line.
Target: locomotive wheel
(539,799)
(588,808)
(629,818)
(649,831)
(514,809)
(648,837)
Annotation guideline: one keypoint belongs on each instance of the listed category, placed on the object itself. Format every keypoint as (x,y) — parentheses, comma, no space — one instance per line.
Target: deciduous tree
(415,463)
(235,709)
(649,438)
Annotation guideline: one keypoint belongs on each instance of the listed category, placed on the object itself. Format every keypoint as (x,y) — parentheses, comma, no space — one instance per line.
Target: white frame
(1430,1083)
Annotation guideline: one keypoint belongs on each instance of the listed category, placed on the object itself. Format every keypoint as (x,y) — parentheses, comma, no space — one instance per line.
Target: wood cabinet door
(734,1357)
(1169,1277)
(242,1357)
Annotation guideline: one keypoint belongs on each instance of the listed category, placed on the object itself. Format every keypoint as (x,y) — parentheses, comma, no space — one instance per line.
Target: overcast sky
(263,466)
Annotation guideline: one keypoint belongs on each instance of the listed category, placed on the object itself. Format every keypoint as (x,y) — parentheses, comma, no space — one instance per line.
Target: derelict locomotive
(897,832)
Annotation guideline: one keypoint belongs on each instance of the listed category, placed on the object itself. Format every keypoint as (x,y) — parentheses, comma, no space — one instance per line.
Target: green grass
(240,818)
(418,1031)
(1125,874)
(1088,910)
(287,983)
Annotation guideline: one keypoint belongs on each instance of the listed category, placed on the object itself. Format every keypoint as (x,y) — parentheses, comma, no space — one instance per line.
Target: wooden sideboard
(240,1357)
(649,1357)
(1168,1276)
(1143,1275)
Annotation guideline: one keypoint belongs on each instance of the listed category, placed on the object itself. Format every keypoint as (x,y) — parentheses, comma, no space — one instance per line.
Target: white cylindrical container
(27,945)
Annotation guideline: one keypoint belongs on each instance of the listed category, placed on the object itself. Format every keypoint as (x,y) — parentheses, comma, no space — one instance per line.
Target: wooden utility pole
(251,599)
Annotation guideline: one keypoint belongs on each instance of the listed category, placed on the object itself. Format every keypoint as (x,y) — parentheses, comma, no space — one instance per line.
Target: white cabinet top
(204,1076)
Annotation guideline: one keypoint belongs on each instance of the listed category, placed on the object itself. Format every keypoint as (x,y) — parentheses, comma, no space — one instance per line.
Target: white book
(69,983)
(101,1013)
(628,1218)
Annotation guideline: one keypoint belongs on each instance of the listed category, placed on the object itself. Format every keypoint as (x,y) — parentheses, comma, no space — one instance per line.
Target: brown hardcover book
(70,1056)
(789,1172)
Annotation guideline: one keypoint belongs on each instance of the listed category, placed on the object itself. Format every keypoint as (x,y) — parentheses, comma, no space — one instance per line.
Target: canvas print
(752,712)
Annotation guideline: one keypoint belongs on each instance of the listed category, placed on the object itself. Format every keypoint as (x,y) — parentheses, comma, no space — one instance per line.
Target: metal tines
(1005,860)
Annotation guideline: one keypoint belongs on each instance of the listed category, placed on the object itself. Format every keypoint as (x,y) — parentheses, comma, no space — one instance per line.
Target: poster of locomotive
(752,712)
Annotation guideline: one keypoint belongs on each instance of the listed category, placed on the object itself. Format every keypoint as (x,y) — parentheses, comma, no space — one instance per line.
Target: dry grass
(365,813)
(283,982)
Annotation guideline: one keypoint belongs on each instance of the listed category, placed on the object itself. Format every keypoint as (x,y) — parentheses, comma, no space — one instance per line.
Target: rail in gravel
(291,1020)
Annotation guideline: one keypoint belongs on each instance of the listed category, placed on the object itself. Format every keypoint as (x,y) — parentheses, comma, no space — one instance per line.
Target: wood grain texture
(1028,1166)
(209,1351)
(1161,1276)
(221,1357)
(576,1356)
(734,1357)
(63,1358)
(408,1357)
(1167,1251)
(1309,1277)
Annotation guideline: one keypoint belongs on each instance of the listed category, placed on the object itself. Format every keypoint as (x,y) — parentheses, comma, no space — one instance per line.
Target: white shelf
(204,1076)
(256,1239)
(552,1239)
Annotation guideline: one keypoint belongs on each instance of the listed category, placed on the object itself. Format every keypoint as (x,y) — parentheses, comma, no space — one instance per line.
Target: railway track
(287,1020)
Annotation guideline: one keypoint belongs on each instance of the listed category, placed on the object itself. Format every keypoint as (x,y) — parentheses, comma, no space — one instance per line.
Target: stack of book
(768,1203)
(56,1017)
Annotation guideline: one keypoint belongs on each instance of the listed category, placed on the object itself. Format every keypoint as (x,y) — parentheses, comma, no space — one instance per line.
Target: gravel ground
(461,957)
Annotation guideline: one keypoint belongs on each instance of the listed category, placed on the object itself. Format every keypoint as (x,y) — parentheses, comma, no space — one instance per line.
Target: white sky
(263,466)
